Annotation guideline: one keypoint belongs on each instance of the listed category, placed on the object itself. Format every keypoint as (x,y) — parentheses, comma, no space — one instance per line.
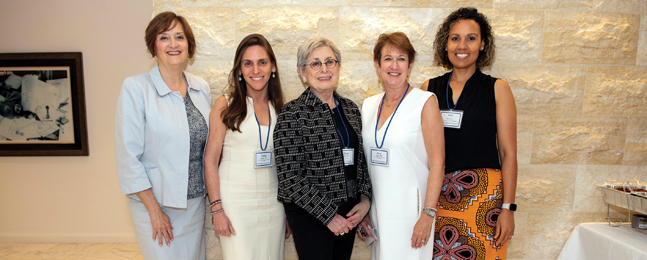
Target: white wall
(74,199)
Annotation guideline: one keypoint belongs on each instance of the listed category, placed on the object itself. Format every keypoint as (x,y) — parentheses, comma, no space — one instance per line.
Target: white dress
(249,195)
(399,189)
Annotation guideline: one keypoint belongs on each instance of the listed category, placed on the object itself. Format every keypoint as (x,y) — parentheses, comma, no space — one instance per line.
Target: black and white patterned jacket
(309,159)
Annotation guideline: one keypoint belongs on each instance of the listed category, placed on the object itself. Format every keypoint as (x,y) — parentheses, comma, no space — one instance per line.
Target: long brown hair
(236,111)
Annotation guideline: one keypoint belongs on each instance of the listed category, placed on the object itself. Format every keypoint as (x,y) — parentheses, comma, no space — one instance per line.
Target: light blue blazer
(152,136)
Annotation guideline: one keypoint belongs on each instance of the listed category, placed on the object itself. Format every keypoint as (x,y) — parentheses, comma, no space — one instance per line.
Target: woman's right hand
(357,213)
(339,225)
(162,227)
(222,225)
(364,229)
(160,222)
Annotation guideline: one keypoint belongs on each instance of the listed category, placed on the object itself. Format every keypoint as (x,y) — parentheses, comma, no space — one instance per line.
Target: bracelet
(215,202)
(430,211)
(217,211)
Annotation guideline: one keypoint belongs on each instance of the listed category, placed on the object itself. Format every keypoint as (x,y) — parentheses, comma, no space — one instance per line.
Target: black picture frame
(52,71)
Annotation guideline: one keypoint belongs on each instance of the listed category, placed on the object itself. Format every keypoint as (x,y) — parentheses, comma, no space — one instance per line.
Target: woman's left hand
(288,231)
(357,213)
(422,231)
(504,229)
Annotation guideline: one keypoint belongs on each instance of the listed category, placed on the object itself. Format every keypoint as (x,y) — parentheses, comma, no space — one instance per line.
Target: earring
(273,75)
(481,48)
(240,78)
(445,49)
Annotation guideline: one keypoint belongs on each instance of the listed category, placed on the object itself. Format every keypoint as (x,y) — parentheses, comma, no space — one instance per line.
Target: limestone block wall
(577,68)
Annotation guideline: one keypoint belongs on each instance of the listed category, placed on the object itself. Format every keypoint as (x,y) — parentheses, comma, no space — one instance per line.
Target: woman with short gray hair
(323,177)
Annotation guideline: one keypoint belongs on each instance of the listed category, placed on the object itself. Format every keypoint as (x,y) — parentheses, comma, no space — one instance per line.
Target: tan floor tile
(128,247)
(37,247)
(37,256)
(69,251)
(12,246)
(4,252)
(97,255)
(83,248)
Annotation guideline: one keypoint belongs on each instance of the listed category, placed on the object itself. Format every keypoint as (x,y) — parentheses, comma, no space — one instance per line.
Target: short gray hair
(306,48)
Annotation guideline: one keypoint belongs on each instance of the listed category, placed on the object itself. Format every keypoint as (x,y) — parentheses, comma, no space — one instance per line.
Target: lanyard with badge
(349,152)
(263,158)
(452,118)
(379,155)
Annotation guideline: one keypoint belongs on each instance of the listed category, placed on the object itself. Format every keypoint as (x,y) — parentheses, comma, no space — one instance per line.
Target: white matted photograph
(42,104)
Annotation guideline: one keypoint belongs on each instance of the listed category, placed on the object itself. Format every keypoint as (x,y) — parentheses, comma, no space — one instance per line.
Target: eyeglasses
(316,65)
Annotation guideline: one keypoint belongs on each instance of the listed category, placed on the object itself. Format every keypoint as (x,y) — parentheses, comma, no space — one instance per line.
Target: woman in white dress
(242,183)
(404,145)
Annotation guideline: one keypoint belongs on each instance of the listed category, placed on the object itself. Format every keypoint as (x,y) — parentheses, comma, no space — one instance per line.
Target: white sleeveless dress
(249,195)
(399,189)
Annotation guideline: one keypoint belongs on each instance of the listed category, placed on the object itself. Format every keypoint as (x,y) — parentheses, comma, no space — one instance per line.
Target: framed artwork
(42,105)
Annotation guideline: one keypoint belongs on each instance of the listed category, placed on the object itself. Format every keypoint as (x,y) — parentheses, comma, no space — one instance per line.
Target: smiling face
(324,79)
(393,67)
(171,47)
(464,44)
(256,68)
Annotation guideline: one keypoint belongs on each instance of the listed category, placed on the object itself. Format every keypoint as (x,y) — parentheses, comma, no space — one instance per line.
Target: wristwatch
(509,206)
(430,211)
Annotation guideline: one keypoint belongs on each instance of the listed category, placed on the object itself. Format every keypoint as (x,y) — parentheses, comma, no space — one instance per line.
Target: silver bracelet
(430,211)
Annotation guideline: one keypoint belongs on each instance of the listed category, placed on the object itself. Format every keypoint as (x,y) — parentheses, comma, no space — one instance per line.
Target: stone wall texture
(577,68)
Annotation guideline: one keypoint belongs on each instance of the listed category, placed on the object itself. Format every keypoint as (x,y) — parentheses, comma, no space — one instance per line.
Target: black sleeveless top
(474,145)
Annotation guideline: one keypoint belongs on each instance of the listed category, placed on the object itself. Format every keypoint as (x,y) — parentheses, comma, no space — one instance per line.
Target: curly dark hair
(486,56)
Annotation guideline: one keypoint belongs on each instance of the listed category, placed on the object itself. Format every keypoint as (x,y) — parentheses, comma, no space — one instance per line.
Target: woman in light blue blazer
(160,133)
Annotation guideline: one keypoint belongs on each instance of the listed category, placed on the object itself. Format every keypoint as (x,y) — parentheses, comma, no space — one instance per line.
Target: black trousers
(313,240)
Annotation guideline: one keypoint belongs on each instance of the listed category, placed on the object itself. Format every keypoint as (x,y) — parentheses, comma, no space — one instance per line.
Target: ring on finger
(342,233)
(511,237)
(422,240)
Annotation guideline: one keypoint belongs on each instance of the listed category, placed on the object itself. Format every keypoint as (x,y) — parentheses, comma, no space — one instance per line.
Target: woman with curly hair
(476,204)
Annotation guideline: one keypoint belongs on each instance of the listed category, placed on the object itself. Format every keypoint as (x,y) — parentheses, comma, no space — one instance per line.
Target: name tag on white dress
(452,118)
(263,159)
(379,156)
(349,156)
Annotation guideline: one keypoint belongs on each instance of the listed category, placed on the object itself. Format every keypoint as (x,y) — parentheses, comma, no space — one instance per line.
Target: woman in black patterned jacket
(323,179)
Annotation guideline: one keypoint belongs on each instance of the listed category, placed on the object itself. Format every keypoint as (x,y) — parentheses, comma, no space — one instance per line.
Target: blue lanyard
(260,139)
(342,121)
(380,113)
(447,92)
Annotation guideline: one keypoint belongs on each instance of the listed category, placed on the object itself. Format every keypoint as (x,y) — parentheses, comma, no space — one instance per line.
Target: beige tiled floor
(11,251)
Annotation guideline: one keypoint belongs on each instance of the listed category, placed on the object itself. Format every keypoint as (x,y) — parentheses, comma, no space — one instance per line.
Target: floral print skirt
(468,208)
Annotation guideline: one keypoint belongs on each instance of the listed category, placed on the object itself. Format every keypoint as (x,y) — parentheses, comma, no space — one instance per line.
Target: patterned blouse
(309,158)
(198,132)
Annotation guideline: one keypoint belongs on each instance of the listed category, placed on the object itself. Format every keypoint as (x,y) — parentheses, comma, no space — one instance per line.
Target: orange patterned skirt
(468,208)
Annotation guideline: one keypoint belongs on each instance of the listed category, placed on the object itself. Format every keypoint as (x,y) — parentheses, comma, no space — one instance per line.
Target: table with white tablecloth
(600,241)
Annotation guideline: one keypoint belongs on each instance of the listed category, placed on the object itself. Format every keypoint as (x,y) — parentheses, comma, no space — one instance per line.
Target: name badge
(349,156)
(380,156)
(452,118)
(263,159)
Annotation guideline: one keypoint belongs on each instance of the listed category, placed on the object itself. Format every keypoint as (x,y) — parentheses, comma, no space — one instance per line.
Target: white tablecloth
(600,241)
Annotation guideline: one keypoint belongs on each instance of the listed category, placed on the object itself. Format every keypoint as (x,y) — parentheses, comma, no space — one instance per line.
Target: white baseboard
(68,238)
